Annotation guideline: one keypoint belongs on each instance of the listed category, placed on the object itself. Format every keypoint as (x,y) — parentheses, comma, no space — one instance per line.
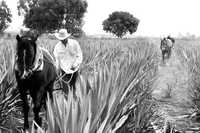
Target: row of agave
(9,97)
(189,55)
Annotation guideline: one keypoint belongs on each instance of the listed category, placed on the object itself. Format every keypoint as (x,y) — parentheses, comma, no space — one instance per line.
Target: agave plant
(190,57)
(9,98)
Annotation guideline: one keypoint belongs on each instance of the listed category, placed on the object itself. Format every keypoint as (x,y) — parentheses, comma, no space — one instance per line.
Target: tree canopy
(50,15)
(5,16)
(119,23)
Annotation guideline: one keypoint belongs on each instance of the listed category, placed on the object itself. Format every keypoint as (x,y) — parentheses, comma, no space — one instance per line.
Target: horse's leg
(163,56)
(65,81)
(37,119)
(167,53)
(170,52)
(73,83)
(74,78)
(37,100)
(50,90)
(25,108)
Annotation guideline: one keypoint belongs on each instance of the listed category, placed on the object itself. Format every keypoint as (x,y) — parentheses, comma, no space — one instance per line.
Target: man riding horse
(166,46)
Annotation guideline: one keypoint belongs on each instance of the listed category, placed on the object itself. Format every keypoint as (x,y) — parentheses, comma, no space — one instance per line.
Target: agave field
(114,89)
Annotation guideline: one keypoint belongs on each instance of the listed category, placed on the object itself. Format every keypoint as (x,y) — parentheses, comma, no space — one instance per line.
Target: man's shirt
(68,56)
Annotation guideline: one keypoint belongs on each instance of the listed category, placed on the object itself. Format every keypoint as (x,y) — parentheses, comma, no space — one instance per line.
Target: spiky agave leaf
(9,98)
(69,115)
(117,101)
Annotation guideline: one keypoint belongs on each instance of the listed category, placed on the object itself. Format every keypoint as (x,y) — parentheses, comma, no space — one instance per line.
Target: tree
(5,16)
(119,23)
(50,15)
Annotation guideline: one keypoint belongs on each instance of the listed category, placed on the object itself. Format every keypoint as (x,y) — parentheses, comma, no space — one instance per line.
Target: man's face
(64,41)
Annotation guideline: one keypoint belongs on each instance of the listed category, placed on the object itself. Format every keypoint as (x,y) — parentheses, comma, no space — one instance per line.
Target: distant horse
(166,46)
(34,75)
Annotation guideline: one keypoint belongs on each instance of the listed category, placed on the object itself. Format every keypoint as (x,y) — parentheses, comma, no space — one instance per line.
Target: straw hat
(62,34)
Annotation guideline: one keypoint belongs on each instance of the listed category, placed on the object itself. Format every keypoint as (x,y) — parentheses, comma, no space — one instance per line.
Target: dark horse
(166,46)
(30,80)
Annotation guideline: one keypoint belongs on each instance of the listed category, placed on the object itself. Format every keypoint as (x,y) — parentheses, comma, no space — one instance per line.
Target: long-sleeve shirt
(68,56)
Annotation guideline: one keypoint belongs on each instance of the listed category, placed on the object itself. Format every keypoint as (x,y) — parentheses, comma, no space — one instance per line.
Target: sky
(157,17)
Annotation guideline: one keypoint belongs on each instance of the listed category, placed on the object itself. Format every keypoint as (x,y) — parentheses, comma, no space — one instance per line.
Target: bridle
(27,70)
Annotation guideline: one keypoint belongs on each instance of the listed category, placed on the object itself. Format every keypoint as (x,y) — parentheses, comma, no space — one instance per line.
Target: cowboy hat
(62,34)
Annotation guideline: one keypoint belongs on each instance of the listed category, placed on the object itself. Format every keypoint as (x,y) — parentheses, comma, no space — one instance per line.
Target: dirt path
(171,89)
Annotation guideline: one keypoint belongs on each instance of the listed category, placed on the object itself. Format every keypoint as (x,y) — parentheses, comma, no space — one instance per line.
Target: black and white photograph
(99,66)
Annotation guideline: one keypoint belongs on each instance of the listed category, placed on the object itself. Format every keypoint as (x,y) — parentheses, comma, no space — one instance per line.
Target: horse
(34,77)
(166,46)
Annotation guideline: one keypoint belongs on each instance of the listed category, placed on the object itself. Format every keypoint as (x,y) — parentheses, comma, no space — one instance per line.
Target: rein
(61,78)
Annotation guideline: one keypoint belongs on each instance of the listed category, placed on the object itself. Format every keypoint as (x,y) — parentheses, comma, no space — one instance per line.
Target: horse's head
(26,52)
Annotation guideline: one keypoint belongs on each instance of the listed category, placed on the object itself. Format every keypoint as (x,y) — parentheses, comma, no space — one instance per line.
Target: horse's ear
(18,38)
